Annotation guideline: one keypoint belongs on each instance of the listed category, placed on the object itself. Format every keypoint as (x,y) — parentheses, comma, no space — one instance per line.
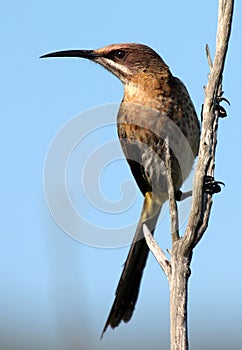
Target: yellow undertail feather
(129,283)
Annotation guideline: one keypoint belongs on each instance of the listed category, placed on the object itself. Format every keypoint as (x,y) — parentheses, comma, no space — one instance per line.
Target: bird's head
(126,61)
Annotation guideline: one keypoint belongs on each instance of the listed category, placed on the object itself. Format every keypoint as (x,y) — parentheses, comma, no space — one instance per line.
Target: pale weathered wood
(171,194)
(158,252)
(206,158)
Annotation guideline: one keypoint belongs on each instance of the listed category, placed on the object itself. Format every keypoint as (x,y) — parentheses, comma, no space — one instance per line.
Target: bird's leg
(180,196)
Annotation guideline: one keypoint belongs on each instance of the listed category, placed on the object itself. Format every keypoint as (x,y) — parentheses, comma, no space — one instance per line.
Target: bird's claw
(211,186)
(220,109)
(221,98)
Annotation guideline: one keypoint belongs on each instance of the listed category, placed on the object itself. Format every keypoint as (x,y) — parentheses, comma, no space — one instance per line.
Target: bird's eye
(119,54)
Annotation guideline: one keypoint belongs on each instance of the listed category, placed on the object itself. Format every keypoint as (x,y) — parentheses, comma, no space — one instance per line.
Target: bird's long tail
(129,283)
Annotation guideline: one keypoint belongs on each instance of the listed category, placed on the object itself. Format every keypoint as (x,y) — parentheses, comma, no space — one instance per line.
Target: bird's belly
(142,147)
(142,138)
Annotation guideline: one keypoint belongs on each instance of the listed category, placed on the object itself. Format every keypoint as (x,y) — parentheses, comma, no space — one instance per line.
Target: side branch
(157,252)
(171,193)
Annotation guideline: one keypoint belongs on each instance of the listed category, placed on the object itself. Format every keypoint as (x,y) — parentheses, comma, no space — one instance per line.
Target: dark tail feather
(129,283)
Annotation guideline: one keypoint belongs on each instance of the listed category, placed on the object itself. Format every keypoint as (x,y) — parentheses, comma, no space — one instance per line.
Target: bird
(155,105)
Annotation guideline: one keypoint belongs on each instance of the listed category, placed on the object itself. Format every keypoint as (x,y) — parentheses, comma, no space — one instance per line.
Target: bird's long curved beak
(89,54)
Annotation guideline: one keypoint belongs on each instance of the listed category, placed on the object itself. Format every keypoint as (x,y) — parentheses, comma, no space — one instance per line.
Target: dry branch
(178,270)
(201,203)
(171,193)
(157,252)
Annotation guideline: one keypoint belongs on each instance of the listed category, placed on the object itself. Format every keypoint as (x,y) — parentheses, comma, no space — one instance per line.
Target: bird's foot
(211,186)
(220,109)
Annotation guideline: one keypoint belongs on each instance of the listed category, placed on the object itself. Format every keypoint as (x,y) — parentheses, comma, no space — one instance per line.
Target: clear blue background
(55,292)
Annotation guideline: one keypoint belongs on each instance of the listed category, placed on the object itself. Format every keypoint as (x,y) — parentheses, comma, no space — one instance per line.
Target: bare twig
(210,62)
(157,252)
(171,193)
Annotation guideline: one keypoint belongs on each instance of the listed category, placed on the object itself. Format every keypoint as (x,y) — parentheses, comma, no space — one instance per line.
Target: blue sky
(56,292)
